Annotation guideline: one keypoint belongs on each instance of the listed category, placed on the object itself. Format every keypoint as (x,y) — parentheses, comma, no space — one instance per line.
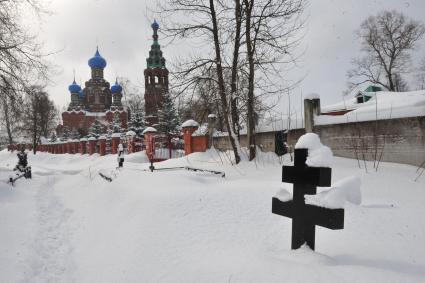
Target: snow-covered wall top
(383,105)
(312,95)
(190,123)
(149,130)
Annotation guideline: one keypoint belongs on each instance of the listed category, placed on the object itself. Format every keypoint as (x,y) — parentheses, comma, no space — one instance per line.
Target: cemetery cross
(305,216)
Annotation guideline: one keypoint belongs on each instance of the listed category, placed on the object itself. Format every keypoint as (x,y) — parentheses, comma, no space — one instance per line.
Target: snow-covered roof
(190,123)
(130,133)
(102,138)
(91,138)
(149,130)
(349,101)
(83,139)
(347,104)
(383,105)
(116,135)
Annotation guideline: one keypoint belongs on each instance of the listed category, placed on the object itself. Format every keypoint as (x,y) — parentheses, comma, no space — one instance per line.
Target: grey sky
(122,30)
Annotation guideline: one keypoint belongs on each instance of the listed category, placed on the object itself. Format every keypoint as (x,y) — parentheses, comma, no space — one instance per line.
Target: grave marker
(305,216)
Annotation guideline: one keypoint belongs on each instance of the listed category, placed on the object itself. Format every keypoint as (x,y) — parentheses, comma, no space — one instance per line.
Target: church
(96,101)
(100,101)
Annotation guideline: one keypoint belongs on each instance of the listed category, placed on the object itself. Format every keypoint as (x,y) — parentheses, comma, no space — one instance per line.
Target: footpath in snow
(68,224)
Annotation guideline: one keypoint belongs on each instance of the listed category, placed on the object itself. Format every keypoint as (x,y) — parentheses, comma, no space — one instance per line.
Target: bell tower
(156,79)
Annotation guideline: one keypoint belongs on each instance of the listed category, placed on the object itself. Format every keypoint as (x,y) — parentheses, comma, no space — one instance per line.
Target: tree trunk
(34,127)
(7,120)
(251,100)
(391,82)
(233,86)
(221,86)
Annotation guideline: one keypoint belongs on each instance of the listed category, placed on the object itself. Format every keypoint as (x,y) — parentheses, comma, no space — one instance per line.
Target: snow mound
(318,154)
(283,195)
(190,123)
(347,189)
(312,96)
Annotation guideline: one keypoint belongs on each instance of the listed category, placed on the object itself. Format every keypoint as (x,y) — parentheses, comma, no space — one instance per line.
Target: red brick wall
(199,144)
(78,120)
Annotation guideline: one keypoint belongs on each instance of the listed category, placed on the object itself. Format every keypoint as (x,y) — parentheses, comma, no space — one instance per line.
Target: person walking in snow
(120,157)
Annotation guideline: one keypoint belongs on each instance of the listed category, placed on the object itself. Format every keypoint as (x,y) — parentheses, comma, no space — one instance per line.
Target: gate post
(149,134)
(189,127)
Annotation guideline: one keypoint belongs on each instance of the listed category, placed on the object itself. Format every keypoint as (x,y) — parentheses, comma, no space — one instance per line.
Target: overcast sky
(122,30)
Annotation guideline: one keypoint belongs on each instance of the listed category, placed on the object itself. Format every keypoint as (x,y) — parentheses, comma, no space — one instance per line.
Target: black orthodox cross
(305,216)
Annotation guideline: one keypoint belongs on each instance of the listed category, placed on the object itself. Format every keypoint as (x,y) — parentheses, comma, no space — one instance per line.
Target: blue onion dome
(97,61)
(74,87)
(155,25)
(81,94)
(116,88)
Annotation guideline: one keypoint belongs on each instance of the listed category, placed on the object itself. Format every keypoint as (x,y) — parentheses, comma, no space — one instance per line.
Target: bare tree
(10,108)
(271,34)
(40,115)
(133,97)
(205,20)
(387,40)
(21,60)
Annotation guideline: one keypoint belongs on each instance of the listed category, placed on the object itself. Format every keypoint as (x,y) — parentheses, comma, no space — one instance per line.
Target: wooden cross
(305,216)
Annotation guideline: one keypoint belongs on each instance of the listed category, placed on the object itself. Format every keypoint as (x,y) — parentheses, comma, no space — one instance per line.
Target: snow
(149,130)
(283,195)
(103,137)
(383,105)
(83,139)
(130,133)
(116,135)
(190,123)
(345,190)
(87,113)
(212,116)
(67,224)
(201,131)
(91,138)
(312,96)
(318,154)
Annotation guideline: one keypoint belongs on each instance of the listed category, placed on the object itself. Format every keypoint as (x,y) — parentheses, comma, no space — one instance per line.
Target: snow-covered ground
(68,224)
